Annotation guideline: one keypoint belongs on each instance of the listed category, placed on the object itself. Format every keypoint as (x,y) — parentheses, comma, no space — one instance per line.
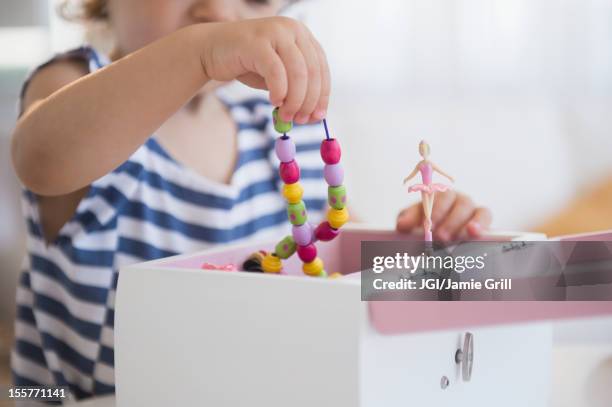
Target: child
(146,157)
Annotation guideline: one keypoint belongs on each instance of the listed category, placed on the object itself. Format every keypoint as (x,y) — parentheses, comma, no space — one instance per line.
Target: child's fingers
(297,75)
(271,68)
(410,218)
(321,108)
(443,202)
(313,92)
(254,80)
(461,212)
(481,220)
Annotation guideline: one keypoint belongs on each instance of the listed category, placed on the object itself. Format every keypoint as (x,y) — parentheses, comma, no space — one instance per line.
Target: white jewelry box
(187,336)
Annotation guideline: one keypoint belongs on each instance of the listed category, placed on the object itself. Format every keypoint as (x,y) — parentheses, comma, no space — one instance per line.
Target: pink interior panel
(394,317)
(328,251)
(603,236)
(342,255)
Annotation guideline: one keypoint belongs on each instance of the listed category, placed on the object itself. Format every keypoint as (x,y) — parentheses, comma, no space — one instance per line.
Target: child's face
(137,23)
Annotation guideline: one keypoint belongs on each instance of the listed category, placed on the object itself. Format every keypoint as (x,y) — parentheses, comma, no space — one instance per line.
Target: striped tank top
(150,207)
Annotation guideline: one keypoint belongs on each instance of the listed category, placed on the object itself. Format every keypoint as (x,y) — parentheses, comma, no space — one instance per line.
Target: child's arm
(78,128)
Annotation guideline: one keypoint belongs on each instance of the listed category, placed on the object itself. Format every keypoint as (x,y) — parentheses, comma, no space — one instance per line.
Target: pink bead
(330,151)
(324,232)
(290,172)
(302,234)
(307,253)
(334,174)
(285,149)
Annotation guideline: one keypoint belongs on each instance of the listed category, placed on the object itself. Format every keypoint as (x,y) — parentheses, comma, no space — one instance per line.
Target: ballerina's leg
(430,203)
(428,200)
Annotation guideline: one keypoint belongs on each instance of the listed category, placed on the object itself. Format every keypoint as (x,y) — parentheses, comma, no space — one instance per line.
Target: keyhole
(444,382)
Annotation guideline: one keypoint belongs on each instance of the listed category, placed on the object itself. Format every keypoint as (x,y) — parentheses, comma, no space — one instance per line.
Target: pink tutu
(428,188)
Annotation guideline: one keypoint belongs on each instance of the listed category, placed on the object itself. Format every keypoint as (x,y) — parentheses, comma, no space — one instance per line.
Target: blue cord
(326,129)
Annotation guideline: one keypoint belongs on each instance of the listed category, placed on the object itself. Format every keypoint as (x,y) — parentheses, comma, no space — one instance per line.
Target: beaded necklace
(304,235)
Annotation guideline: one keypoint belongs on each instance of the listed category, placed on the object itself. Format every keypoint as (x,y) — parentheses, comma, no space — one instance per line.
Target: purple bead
(303,234)
(334,174)
(285,149)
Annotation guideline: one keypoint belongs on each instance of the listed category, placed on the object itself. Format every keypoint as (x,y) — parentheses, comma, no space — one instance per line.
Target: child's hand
(279,54)
(454,216)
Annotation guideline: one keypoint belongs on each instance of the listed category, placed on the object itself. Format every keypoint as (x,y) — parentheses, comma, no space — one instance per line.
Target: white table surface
(97,402)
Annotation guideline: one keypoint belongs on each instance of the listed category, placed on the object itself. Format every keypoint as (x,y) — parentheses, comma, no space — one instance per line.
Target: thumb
(253,80)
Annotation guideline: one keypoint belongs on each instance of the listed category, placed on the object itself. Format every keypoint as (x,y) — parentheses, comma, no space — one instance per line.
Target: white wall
(513,95)
(18,13)
(11,222)
(24,42)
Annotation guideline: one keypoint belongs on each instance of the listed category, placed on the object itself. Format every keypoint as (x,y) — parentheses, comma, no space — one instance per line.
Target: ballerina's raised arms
(427,188)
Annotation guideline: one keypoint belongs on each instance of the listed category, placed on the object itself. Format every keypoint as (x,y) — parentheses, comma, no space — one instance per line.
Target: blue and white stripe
(149,207)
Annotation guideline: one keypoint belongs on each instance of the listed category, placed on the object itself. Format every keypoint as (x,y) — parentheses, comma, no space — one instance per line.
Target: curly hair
(84,10)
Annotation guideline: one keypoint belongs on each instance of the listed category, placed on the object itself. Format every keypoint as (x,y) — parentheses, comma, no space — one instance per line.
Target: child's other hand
(279,54)
(454,216)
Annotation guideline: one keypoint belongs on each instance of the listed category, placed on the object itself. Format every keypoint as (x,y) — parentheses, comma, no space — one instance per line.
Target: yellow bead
(271,264)
(293,192)
(314,268)
(335,275)
(337,217)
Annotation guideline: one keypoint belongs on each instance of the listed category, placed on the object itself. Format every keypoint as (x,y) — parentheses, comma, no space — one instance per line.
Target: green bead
(297,213)
(285,248)
(280,125)
(336,196)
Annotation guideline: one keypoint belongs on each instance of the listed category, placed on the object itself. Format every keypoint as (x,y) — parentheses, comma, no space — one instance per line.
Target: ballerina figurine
(428,188)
